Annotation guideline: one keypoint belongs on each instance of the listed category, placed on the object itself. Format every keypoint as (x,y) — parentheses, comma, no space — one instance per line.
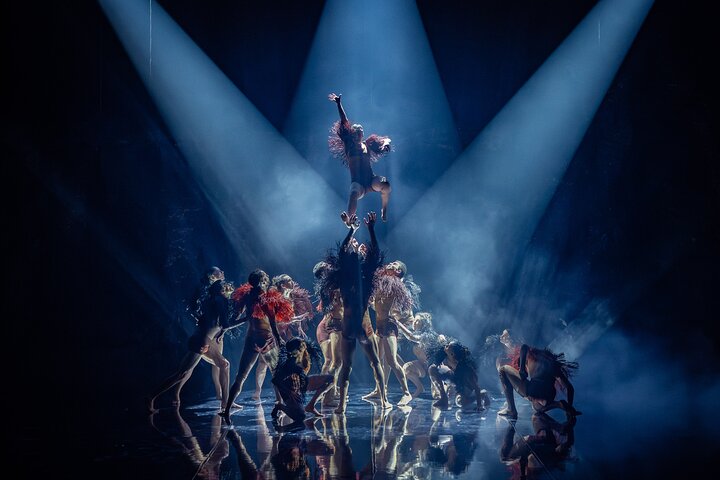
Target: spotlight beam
(270,204)
(377,55)
(481,214)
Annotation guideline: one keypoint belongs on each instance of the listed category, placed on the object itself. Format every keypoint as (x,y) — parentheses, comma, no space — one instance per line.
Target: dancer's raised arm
(333,97)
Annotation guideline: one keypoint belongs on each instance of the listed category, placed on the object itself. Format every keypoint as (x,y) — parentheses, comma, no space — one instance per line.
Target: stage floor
(418,441)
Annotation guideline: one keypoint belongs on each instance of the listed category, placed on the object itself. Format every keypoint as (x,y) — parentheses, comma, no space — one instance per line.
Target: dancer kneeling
(292,381)
(454,363)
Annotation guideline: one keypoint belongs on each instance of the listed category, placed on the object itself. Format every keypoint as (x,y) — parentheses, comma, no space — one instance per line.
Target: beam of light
(270,204)
(376,54)
(481,214)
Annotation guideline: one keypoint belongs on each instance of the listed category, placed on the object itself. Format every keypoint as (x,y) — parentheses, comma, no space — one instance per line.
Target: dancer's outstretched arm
(333,97)
(370,223)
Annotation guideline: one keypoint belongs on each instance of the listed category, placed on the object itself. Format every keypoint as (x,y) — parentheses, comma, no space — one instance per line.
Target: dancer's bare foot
(506,412)
(234,405)
(311,409)
(385,405)
(256,397)
(372,395)
(340,410)
(405,400)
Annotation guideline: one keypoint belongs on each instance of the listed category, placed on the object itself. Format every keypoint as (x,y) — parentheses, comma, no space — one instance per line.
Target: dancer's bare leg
(412,373)
(260,373)
(390,346)
(187,365)
(375,393)
(437,378)
(380,184)
(320,384)
(223,367)
(327,357)
(333,359)
(247,360)
(176,391)
(371,351)
(510,380)
(215,373)
(347,349)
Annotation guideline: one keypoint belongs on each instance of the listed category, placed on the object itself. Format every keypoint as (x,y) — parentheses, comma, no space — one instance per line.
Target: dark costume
(343,146)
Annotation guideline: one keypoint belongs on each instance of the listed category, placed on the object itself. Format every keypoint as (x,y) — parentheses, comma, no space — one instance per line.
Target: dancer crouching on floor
(545,369)
(454,363)
(292,381)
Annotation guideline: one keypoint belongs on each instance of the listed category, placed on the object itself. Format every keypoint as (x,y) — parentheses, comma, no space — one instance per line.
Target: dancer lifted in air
(346,142)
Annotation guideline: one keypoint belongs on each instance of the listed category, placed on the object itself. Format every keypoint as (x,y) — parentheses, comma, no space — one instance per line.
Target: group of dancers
(350,281)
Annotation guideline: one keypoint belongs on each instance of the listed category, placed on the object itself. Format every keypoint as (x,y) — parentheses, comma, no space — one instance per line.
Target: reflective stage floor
(418,441)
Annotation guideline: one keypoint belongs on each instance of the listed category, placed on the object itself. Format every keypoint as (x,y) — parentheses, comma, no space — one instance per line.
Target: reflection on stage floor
(418,441)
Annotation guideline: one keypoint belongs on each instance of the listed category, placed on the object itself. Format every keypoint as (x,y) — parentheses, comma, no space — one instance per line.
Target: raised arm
(333,97)
(370,222)
(352,224)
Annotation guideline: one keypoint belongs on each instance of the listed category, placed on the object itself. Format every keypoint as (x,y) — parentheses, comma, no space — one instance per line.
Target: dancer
(424,337)
(213,315)
(391,296)
(544,368)
(355,281)
(346,142)
(195,310)
(330,327)
(302,311)
(263,308)
(292,381)
(455,364)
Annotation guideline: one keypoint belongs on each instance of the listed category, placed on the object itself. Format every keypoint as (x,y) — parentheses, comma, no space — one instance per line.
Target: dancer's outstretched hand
(371,219)
(334,97)
(265,348)
(350,221)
